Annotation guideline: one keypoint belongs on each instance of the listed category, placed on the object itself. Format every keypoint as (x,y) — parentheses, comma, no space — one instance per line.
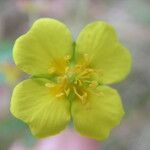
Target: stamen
(60,94)
(97,93)
(81,97)
(78,66)
(50,85)
(75,79)
(84,72)
(80,82)
(84,97)
(94,84)
(67,92)
(66,69)
(62,79)
(90,70)
(76,92)
(67,58)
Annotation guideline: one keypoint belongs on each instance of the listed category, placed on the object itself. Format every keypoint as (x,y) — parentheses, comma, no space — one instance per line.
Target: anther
(80,83)
(76,92)
(84,96)
(99,94)
(94,84)
(90,70)
(67,58)
(81,97)
(60,94)
(66,69)
(67,91)
(78,66)
(49,85)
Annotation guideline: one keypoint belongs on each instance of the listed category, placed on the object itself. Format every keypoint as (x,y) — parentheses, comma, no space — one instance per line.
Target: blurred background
(131,18)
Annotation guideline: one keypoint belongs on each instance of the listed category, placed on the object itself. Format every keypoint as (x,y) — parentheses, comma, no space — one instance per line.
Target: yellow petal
(43,45)
(99,42)
(32,103)
(102,111)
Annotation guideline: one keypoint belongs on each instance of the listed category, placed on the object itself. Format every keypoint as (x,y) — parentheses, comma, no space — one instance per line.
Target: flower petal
(47,40)
(101,113)
(99,41)
(32,103)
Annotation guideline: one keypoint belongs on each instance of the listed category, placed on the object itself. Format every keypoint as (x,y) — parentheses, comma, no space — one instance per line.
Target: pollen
(77,80)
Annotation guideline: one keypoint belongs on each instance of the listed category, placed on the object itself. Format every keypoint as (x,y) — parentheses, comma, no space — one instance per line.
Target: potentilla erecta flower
(70,80)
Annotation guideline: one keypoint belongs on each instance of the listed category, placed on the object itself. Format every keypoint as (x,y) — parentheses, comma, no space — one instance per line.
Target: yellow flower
(68,80)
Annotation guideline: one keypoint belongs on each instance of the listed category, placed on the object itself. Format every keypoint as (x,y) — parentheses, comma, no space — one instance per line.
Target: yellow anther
(90,70)
(77,81)
(84,72)
(67,58)
(78,66)
(67,92)
(93,84)
(49,85)
(81,97)
(76,92)
(80,83)
(62,79)
(66,69)
(99,94)
(84,95)
(52,70)
(60,94)
(74,79)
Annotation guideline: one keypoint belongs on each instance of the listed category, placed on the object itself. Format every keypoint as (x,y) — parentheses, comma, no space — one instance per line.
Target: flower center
(75,80)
